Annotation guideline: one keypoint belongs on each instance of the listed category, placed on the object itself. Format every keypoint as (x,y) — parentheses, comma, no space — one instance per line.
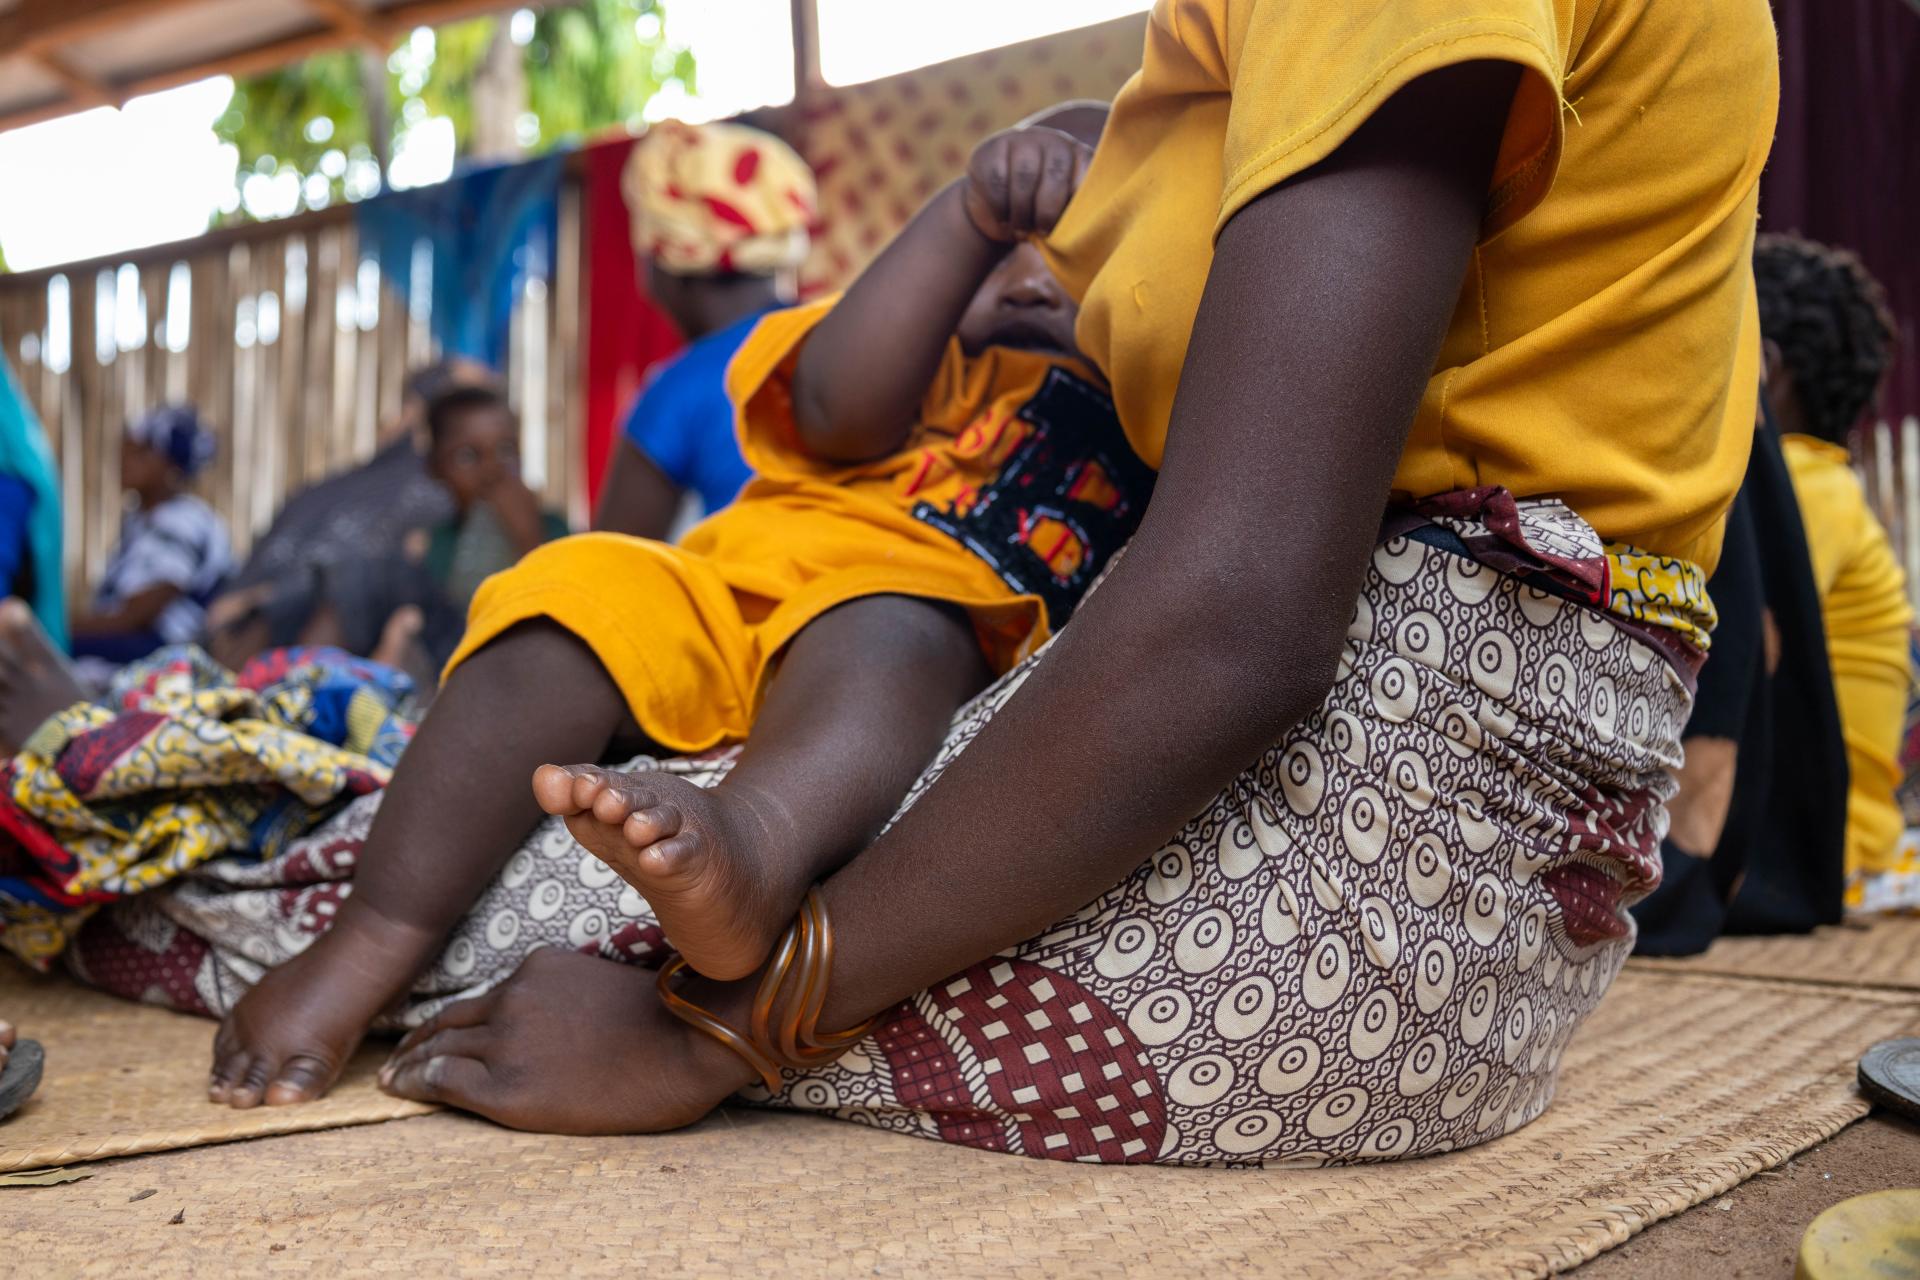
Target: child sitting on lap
(939,477)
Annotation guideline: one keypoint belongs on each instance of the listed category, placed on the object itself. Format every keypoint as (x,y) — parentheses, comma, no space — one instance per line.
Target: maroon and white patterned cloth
(1375,943)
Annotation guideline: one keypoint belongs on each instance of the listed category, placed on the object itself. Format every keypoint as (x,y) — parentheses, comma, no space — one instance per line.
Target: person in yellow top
(1312,837)
(1829,342)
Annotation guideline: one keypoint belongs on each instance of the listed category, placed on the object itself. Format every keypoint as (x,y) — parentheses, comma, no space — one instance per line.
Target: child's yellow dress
(1013,490)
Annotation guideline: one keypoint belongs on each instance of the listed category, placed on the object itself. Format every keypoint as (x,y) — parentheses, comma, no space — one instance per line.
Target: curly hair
(1829,318)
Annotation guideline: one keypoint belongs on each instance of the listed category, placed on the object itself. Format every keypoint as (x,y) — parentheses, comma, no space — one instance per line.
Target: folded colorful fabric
(184,762)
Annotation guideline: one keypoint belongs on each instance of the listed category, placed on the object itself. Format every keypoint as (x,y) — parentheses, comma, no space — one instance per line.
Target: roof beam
(431,13)
(83,91)
(33,26)
(350,20)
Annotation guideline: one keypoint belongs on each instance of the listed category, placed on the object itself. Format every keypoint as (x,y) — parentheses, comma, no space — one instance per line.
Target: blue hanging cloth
(490,231)
(25,457)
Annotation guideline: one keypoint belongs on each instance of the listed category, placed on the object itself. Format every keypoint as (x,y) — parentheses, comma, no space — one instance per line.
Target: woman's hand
(568,1044)
(1020,180)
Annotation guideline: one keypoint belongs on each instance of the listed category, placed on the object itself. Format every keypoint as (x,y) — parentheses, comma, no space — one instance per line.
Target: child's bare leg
(861,702)
(455,811)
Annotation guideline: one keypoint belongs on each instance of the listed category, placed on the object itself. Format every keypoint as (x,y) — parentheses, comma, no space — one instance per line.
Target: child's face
(478,449)
(1020,305)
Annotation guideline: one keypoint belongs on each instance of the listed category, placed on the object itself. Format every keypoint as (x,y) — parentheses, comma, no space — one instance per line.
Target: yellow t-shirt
(1605,349)
(1864,610)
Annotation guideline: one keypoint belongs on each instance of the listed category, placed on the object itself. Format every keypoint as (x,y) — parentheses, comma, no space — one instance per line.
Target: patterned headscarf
(176,432)
(718,199)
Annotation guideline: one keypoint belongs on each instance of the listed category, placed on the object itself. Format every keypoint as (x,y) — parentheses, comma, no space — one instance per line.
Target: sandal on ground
(21,1076)
(1890,1076)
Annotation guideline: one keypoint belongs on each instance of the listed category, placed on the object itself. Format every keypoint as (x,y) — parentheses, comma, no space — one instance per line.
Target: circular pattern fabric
(1375,943)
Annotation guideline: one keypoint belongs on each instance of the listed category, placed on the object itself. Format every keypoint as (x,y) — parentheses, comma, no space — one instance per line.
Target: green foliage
(578,80)
(309,118)
(588,65)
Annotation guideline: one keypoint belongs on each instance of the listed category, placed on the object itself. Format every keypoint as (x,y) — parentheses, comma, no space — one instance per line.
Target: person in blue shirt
(721,217)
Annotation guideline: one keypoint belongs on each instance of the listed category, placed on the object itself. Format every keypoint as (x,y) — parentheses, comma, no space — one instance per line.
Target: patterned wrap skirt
(1375,943)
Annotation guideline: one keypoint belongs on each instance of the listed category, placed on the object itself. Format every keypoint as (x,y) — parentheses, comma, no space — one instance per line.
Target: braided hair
(1829,318)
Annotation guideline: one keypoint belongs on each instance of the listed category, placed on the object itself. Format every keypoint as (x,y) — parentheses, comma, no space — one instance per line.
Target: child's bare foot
(713,864)
(288,1039)
(34,680)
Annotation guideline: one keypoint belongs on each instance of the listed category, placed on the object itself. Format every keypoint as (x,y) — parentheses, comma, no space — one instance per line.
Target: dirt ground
(1753,1232)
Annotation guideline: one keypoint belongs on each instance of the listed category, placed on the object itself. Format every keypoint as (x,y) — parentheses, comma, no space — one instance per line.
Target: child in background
(173,553)
(475,453)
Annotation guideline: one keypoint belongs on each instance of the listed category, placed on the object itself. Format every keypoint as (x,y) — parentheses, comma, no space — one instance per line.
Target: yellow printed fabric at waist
(1661,591)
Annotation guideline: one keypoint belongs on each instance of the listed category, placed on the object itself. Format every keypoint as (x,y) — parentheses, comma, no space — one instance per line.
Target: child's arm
(860,377)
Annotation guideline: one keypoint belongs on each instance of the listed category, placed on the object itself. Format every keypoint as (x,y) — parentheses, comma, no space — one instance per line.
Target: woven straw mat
(1884,954)
(1681,1087)
(125,1078)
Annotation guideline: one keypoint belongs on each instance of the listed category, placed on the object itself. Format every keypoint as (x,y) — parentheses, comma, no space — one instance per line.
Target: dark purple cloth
(1846,160)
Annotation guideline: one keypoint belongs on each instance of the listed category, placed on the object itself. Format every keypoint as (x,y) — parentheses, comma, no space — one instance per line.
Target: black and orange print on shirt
(1066,494)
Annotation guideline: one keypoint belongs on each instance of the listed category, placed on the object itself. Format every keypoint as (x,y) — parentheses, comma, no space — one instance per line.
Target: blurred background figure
(326,570)
(721,221)
(496,519)
(1786,816)
(174,552)
(366,510)
(1829,341)
(29,512)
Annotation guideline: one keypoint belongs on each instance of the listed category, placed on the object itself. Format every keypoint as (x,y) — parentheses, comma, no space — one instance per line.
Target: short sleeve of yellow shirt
(1605,346)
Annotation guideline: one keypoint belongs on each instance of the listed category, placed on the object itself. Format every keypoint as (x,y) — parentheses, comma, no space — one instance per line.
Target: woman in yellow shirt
(1829,342)
(1437,319)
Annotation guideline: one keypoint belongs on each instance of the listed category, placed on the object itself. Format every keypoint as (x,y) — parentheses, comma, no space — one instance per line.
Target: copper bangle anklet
(784,1030)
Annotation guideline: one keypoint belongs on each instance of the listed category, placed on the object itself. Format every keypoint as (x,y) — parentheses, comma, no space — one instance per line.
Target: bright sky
(866,39)
(106,181)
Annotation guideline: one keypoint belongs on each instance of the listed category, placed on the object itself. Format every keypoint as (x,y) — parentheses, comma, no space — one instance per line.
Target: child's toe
(589,783)
(553,789)
(648,826)
(613,804)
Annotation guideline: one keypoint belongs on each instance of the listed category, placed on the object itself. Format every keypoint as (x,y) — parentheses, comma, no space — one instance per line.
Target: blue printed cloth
(490,230)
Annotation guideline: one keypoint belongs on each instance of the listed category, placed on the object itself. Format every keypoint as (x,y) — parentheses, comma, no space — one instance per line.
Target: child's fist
(1019,181)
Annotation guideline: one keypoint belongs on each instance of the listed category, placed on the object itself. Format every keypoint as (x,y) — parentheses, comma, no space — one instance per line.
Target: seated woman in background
(1829,343)
(173,553)
(29,512)
(329,570)
(720,216)
(475,453)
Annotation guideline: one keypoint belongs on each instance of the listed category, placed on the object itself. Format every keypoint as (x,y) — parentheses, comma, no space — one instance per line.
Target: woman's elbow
(1265,664)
